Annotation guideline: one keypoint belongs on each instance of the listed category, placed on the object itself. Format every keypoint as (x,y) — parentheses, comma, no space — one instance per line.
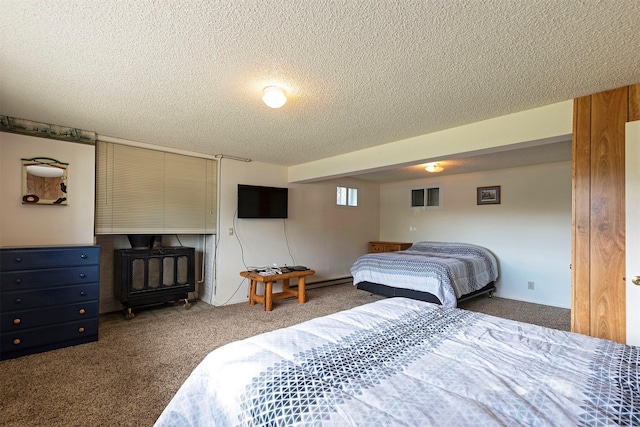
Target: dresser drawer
(377,247)
(24,319)
(64,333)
(27,259)
(37,279)
(25,300)
(392,247)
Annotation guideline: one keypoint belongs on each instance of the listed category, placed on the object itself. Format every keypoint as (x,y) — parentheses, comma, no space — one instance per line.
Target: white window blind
(153,192)
(137,193)
(104,187)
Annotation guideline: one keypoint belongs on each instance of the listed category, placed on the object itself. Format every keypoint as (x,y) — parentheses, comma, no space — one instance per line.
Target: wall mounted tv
(262,202)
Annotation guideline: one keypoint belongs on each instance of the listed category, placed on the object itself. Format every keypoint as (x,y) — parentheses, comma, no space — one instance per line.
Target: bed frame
(390,291)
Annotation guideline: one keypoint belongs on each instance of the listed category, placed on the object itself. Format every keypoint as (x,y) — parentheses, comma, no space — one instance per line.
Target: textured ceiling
(189,74)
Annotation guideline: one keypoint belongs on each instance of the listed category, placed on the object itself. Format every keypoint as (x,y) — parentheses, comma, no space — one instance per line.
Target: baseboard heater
(328,282)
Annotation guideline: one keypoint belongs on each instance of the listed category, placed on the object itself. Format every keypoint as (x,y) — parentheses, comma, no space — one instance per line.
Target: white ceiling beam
(548,124)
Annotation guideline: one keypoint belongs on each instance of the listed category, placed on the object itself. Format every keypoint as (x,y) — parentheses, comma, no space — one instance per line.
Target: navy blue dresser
(48,298)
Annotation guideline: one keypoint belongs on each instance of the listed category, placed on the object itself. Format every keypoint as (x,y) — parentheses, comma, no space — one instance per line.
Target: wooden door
(599,291)
(632,160)
(598,299)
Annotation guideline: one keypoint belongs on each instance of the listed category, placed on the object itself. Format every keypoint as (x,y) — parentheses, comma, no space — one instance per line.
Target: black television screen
(262,202)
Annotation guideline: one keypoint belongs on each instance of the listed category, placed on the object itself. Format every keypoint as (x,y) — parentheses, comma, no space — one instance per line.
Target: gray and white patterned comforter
(402,362)
(446,270)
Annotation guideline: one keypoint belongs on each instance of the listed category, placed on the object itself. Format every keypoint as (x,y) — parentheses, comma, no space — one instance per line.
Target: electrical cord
(217,243)
(236,291)
(286,239)
(235,216)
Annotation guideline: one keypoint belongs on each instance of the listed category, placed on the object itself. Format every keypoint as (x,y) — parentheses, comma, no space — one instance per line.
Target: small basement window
(346,196)
(425,197)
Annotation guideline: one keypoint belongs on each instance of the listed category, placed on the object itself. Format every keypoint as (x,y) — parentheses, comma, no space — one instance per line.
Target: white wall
(317,234)
(529,232)
(35,225)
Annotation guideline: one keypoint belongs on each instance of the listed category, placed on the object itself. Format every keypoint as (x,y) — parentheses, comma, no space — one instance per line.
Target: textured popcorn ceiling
(189,74)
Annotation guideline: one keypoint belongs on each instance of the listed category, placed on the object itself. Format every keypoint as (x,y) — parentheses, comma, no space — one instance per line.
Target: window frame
(425,202)
(348,190)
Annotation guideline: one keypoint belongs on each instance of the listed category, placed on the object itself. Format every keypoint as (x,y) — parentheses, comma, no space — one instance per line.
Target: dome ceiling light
(274,96)
(433,168)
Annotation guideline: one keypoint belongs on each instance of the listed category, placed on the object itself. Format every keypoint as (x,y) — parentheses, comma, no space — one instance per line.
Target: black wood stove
(153,276)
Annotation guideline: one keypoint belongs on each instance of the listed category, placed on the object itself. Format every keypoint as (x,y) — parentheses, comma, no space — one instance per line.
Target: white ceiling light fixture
(433,168)
(274,96)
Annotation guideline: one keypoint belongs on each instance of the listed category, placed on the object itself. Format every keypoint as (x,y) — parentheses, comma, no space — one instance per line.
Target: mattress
(446,270)
(404,362)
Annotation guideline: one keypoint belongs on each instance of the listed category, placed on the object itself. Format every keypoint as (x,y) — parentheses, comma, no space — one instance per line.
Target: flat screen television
(262,202)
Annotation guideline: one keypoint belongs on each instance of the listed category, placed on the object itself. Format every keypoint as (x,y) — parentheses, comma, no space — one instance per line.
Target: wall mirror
(44,181)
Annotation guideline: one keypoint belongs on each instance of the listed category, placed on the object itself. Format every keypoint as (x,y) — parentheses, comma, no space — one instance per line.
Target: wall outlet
(230,231)
(531,286)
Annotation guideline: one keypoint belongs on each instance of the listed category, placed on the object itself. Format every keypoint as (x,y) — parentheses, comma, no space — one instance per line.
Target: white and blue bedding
(402,362)
(446,270)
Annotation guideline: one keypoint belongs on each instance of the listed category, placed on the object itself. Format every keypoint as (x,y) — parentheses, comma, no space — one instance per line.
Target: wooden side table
(269,296)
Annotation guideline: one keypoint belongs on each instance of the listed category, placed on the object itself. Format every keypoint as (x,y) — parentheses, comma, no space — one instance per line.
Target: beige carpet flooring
(129,375)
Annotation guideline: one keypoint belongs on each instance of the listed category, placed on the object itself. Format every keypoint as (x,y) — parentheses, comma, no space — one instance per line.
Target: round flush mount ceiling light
(274,96)
(433,168)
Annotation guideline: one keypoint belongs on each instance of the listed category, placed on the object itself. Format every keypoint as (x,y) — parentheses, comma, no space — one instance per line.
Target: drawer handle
(82,293)
(16,321)
(18,281)
(83,256)
(83,275)
(81,311)
(18,259)
(16,341)
(81,329)
(18,300)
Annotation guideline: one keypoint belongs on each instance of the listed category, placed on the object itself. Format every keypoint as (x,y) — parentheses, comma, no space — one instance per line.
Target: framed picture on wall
(489,195)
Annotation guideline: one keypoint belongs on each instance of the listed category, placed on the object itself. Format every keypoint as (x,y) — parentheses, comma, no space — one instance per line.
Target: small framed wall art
(489,195)
(44,181)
